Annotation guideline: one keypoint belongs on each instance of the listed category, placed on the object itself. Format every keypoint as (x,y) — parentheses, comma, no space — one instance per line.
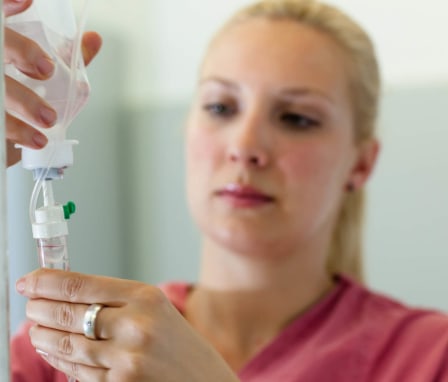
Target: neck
(235,290)
(299,268)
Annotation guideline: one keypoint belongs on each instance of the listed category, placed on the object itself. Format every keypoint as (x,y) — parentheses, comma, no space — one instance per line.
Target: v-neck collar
(306,322)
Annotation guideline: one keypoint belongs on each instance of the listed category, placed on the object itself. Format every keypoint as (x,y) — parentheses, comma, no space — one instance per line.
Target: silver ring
(89,322)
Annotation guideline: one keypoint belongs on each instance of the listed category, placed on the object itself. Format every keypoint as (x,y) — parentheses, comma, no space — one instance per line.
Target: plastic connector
(50,222)
(69,209)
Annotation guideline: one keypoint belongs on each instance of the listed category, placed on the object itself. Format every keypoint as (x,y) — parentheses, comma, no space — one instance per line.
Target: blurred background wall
(128,176)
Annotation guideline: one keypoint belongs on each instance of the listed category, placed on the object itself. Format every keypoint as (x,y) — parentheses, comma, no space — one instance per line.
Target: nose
(249,146)
(251,158)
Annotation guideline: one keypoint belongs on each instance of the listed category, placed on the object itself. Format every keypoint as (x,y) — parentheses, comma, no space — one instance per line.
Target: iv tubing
(41,182)
(4,269)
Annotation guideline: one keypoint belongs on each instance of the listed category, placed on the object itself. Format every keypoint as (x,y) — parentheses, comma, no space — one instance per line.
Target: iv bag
(52,24)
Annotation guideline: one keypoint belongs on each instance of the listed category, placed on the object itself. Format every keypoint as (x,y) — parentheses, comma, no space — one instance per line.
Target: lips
(244,196)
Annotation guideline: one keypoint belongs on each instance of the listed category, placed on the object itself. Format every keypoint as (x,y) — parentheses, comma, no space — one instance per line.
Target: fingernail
(48,116)
(20,285)
(45,66)
(40,140)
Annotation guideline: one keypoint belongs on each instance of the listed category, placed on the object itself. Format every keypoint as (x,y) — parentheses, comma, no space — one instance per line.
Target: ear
(365,161)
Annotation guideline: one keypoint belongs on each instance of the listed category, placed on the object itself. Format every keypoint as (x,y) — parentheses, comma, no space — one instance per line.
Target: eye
(298,121)
(219,109)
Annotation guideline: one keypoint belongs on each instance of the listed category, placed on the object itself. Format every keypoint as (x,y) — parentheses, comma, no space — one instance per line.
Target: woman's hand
(142,337)
(30,59)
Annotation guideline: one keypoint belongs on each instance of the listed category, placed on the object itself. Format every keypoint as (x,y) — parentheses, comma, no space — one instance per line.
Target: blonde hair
(346,247)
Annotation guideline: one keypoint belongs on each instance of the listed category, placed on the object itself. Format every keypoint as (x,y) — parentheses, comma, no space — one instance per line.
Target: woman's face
(270,144)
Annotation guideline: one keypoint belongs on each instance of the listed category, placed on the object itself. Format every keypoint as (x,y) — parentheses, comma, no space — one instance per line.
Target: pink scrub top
(352,334)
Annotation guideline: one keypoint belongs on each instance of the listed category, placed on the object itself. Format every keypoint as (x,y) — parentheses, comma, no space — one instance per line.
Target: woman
(280,143)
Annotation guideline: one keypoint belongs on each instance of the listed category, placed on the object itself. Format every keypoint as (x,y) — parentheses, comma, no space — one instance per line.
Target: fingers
(20,132)
(90,360)
(129,327)
(60,316)
(91,44)
(86,360)
(24,102)
(11,7)
(69,317)
(27,56)
(21,103)
(125,325)
(71,347)
(78,371)
(76,287)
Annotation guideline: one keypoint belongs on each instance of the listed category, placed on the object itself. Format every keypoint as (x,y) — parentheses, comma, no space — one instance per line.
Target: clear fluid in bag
(56,89)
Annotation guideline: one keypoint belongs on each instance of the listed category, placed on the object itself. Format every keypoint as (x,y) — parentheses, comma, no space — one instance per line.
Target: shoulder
(360,312)
(401,338)
(387,310)
(379,310)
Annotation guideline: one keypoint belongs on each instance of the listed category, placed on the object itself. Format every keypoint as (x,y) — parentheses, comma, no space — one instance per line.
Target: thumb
(91,44)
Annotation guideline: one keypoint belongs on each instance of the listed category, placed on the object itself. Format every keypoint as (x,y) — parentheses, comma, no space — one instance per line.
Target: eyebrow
(220,80)
(292,92)
(306,91)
